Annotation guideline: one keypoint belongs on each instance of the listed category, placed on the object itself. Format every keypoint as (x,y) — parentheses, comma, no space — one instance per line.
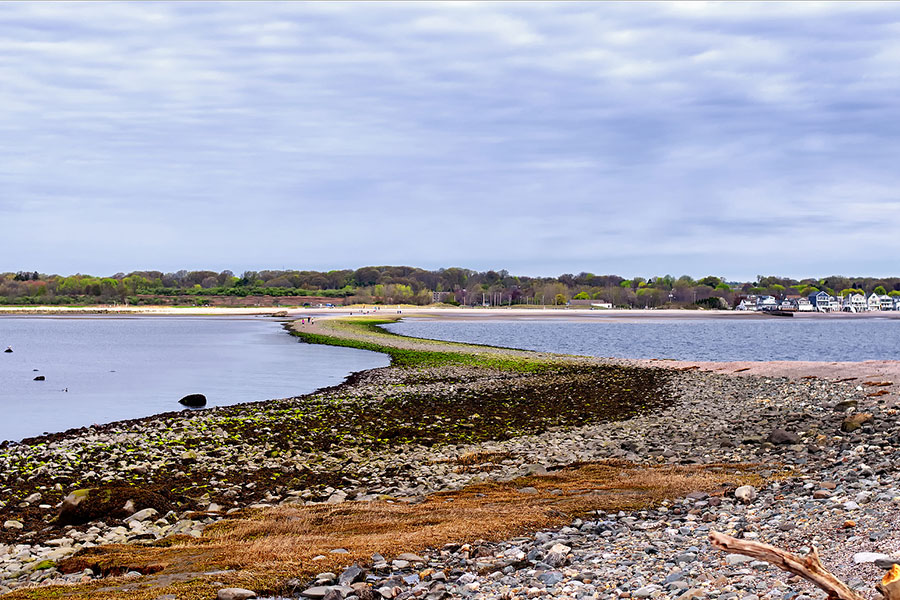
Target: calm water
(689,339)
(127,367)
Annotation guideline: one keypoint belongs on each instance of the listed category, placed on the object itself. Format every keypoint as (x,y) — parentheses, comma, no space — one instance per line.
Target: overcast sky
(636,139)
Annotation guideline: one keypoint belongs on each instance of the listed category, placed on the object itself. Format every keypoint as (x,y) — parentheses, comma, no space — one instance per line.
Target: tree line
(411,285)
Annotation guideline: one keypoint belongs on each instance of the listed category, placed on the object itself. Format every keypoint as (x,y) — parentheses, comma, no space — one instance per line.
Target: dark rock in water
(193,400)
(8,349)
(90,504)
(40,378)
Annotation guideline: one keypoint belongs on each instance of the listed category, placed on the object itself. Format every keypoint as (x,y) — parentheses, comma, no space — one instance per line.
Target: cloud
(545,137)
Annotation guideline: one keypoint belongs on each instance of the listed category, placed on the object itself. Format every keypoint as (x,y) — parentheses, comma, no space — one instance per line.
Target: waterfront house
(746,304)
(822,301)
(766,303)
(804,305)
(887,303)
(874,302)
(857,302)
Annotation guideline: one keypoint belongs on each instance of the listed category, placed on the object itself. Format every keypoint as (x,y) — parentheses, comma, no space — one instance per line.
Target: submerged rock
(193,400)
(40,378)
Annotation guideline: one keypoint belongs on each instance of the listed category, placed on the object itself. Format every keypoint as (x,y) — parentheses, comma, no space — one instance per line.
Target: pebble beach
(825,451)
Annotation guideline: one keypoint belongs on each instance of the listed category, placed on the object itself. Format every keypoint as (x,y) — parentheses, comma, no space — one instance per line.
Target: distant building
(822,301)
(874,302)
(746,304)
(857,302)
(581,302)
(766,303)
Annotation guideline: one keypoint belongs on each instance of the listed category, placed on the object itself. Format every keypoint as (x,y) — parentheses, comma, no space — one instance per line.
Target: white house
(766,303)
(746,304)
(874,302)
(887,303)
(804,305)
(858,302)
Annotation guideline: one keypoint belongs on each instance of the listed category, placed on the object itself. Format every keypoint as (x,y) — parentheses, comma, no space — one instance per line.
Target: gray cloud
(539,137)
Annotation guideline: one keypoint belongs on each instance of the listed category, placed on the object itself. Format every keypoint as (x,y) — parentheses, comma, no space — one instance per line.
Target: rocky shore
(828,450)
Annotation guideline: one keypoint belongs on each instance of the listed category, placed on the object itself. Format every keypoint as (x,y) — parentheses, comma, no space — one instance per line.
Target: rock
(142,515)
(869,557)
(235,594)
(90,504)
(535,469)
(40,378)
(13,524)
(646,591)
(194,401)
(43,565)
(745,493)
(337,497)
(528,490)
(317,592)
(737,559)
(854,422)
(781,437)
(409,557)
(550,578)
(886,563)
(557,555)
(351,575)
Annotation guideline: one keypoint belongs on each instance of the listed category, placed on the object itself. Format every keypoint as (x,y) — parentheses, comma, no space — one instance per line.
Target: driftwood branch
(808,567)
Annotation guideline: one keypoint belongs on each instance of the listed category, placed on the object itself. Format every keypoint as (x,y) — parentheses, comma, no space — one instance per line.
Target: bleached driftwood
(808,567)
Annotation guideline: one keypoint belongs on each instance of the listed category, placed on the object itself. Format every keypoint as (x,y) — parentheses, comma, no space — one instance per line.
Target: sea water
(99,369)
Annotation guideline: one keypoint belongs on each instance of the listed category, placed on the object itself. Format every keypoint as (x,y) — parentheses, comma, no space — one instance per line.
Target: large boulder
(91,504)
(194,400)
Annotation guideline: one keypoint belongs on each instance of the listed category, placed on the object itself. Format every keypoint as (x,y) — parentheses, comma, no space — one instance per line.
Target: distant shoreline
(432,312)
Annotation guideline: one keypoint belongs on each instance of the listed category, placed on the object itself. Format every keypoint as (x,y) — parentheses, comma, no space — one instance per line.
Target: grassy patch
(377,339)
(262,549)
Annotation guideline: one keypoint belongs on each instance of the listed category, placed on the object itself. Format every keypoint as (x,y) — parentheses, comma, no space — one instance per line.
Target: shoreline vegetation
(388,285)
(460,469)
